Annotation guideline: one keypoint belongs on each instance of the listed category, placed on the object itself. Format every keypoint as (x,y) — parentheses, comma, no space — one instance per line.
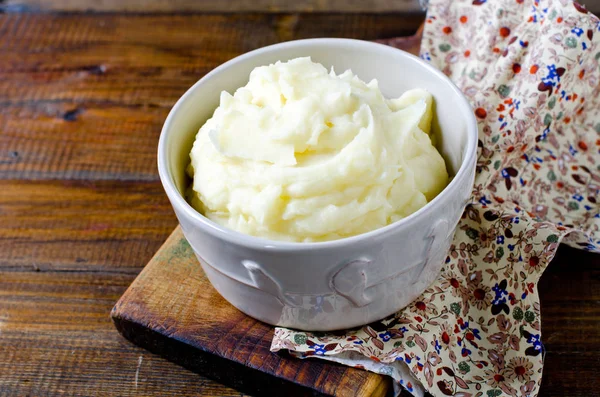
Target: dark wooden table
(82,101)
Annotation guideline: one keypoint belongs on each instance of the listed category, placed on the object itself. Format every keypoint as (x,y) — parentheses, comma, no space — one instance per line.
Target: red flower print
(496,378)
(479,295)
(519,368)
(423,308)
(504,31)
(534,264)
(535,181)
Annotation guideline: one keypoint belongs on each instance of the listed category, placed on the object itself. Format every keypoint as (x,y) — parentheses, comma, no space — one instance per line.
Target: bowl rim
(261,243)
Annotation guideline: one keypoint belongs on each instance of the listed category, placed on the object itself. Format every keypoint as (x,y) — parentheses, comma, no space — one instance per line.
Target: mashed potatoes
(300,154)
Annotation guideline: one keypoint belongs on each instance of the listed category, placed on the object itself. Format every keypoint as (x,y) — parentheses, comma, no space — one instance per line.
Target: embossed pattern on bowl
(342,283)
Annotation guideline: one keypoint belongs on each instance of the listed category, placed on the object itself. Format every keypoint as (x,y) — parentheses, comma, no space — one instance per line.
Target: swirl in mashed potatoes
(302,154)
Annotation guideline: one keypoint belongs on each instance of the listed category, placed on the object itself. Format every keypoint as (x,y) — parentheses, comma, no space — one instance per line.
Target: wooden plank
(56,333)
(171,309)
(50,302)
(94,108)
(56,338)
(68,249)
(102,226)
(95,220)
(268,6)
(263,6)
(569,293)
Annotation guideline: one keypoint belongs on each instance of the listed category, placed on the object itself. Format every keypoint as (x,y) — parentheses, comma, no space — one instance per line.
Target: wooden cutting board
(172,310)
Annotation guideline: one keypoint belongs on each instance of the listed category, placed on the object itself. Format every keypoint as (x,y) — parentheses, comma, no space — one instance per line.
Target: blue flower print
(572,150)
(536,343)
(545,133)
(553,77)
(408,385)
(500,240)
(500,292)
(499,304)
(319,349)
(577,31)
(385,336)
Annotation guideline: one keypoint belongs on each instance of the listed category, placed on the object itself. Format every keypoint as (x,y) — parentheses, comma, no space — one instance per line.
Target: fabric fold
(531,72)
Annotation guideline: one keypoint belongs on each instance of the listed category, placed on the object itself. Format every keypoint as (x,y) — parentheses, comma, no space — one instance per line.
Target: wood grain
(354,6)
(68,226)
(85,97)
(264,6)
(56,338)
(569,292)
(171,309)
(82,101)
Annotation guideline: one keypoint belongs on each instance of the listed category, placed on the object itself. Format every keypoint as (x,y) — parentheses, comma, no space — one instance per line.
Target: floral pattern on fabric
(531,71)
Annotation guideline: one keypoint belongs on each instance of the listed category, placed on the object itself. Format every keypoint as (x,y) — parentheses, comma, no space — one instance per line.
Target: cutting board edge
(207,364)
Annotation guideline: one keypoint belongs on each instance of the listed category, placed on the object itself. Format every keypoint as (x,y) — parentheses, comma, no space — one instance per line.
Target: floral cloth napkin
(531,71)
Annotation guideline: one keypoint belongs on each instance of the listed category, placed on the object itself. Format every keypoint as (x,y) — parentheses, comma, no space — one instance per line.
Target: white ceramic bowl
(336,284)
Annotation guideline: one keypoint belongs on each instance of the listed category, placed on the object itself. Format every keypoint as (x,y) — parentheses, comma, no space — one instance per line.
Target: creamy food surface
(302,154)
